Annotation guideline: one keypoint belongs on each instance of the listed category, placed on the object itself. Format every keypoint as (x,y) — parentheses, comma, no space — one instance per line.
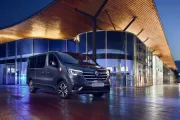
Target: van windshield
(67,58)
(83,59)
(74,58)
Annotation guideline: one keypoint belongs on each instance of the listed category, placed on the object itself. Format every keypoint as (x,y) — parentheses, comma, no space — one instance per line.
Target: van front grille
(100,76)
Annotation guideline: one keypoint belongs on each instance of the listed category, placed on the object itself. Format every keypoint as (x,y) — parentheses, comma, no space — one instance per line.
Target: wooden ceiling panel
(62,21)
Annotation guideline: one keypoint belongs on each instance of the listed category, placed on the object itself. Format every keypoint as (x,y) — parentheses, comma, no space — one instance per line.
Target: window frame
(35,58)
(29,64)
(56,59)
(37,61)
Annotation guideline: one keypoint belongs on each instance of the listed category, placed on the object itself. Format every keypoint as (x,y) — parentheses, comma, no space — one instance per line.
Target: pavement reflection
(149,103)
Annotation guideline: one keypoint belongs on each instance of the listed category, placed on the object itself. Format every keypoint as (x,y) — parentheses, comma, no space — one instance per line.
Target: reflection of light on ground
(23,79)
(154,98)
(136,103)
(86,98)
(158,88)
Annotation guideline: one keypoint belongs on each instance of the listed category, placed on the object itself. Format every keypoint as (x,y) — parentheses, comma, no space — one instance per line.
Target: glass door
(10,76)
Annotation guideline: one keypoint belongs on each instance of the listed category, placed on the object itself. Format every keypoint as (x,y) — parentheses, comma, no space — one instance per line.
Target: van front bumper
(88,88)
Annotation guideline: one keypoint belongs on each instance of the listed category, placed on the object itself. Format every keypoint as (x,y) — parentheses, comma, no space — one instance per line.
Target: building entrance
(10,76)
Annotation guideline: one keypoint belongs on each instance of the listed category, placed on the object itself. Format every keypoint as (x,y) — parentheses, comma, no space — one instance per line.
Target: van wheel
(63,90)
(32,89)
(98,94)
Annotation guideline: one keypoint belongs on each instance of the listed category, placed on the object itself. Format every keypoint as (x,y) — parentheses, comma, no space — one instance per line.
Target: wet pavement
(160,102)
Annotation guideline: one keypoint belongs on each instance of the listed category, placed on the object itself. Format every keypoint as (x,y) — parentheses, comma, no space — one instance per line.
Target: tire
(98,94)
(62,90)
(32,89)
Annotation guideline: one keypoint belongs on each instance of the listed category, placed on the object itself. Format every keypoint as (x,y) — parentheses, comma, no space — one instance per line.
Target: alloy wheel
(63,90)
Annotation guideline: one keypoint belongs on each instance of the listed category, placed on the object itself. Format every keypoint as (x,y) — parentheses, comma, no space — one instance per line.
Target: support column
(140,32)
(20,70)
(66,46)
(16,63)
(6,62)
(135,62)
(48,45)
(125,59)
(77,46)
(94,39)
(106,52)
(94,26)
(32,46)
(146,40)
(134,18)
(86,47)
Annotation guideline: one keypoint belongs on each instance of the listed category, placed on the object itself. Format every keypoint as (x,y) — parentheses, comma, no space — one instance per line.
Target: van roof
(54,52)
(43,53)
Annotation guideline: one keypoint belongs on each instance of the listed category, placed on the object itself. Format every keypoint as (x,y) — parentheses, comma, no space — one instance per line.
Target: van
(67,73)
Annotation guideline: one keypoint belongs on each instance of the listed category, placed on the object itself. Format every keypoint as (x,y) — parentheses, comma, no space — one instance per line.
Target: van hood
(84,68)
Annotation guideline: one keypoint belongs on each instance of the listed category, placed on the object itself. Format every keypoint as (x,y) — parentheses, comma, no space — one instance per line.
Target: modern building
(131,63)
(128,59)
(126,37)
(157,71)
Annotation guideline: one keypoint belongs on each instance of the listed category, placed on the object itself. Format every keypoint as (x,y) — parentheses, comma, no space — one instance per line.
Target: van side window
(52,61)
(40,61)
(32,62)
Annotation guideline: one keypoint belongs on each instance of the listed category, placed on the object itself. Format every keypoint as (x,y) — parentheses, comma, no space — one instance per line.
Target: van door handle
(42,72)
(47,72)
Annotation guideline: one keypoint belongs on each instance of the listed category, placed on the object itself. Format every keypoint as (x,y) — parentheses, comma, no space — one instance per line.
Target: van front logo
(96,73)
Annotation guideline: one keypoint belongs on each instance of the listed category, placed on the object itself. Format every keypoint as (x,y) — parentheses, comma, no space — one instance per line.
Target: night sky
(15,11)
(169,11)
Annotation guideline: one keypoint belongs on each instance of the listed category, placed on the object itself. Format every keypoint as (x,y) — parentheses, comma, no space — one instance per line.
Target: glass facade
(2,73)
(143,68)
(13,58)
(71,45)
(128,59)
(57,45)
(3,50)
(11,49)
(157,71)
(40,46)
(168,75)
(27,46)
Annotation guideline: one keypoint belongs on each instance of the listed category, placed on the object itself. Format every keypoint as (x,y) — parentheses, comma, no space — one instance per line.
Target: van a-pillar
(84,10)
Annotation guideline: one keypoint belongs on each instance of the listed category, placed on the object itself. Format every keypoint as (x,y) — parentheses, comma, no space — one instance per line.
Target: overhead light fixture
(76,38)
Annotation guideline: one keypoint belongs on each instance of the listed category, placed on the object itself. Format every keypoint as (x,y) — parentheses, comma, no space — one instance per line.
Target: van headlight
(75,72)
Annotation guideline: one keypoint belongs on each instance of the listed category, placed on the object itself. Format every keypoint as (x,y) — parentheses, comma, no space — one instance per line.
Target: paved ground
(151,103)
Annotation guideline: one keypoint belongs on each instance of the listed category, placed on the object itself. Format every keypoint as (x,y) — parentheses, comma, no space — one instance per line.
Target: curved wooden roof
(62,21)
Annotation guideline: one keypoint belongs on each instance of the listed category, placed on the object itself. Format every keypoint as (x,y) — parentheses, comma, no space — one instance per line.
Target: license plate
(97,84)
